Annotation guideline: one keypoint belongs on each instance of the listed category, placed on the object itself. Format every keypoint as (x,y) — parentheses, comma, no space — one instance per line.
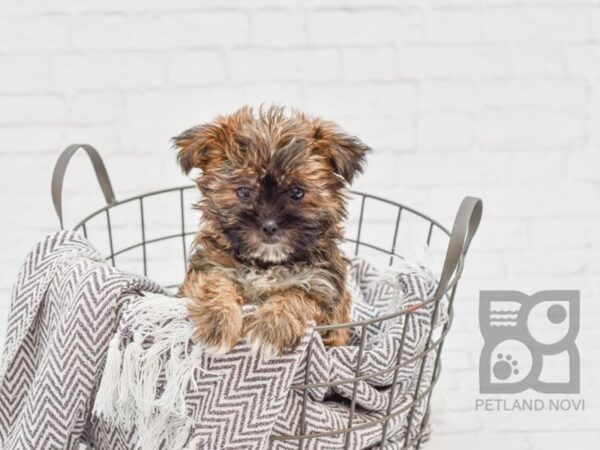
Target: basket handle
(60,168)
(464,228)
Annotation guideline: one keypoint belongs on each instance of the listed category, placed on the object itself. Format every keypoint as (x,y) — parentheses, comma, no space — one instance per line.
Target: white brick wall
(499,99)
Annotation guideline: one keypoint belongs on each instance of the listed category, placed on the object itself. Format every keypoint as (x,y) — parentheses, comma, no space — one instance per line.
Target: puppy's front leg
(215,309)
(280,322)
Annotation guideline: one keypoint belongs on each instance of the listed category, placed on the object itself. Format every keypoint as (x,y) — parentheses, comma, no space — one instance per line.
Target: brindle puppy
(273,199)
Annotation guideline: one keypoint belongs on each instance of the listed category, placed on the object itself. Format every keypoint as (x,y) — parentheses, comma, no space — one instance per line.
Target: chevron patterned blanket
(64,308)
(68,376)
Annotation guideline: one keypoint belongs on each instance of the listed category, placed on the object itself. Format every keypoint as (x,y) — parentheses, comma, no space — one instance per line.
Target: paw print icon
(505,367)
(529,342)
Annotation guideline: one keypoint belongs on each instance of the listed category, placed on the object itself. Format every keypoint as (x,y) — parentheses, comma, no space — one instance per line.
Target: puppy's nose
(269,227)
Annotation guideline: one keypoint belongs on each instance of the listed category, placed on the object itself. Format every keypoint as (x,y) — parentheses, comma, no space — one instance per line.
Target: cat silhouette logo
(529,342)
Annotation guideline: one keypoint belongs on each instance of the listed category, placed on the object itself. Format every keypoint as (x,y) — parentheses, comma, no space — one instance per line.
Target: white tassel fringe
(144,383)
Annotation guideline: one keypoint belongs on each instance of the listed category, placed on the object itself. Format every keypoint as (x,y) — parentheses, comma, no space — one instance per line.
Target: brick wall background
(497,98)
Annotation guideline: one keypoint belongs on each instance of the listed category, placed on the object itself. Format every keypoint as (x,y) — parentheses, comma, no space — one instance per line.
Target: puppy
(273,199)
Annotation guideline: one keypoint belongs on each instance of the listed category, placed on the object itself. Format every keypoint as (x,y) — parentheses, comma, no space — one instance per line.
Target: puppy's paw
(273,330)
(218,325)
(337,337)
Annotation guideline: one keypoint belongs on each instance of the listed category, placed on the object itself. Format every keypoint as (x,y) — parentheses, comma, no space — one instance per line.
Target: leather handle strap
(60,168)
(465,225)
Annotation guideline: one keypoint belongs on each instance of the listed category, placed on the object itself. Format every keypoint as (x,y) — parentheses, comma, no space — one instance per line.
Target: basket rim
(192,186)
(352,324)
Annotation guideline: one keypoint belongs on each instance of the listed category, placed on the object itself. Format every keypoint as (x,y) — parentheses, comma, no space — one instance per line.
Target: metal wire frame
(431,345)
(420,395)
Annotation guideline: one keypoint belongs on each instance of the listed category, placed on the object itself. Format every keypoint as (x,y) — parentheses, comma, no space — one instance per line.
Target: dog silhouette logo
(529,342)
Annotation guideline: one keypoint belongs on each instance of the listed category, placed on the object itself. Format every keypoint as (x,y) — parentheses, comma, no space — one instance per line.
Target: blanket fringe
(107,392)
(149,367)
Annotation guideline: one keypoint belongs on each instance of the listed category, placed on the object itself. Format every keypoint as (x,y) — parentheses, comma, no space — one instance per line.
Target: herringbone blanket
(64,308)
(159,390)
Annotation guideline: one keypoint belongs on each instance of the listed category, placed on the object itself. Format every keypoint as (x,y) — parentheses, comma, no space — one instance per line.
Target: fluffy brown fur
(273,200)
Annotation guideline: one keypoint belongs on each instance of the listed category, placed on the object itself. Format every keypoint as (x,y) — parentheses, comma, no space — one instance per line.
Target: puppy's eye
(297,193)
(243,193)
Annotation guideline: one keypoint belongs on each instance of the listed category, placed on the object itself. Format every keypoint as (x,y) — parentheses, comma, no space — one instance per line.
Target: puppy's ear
(194,147)
(209,145)
(347,153)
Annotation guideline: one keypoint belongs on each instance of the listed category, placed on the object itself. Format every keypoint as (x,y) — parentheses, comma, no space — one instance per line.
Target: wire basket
(369,214)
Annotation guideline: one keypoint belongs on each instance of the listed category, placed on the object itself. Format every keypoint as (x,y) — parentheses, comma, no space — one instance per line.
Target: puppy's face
(272,184)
